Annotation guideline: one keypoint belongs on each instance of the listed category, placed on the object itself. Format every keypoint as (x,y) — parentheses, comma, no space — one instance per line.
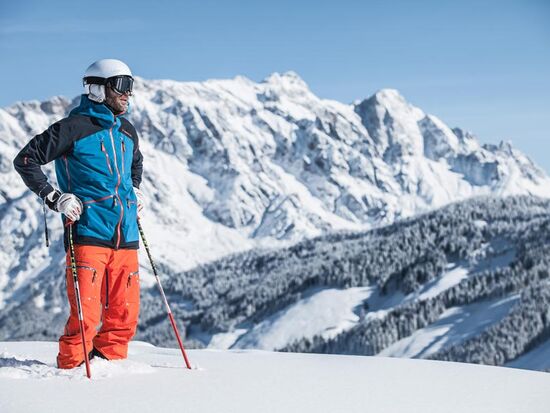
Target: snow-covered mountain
(233,164)
(154,379)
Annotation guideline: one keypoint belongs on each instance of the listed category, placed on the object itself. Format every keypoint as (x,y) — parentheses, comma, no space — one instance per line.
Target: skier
(98,166)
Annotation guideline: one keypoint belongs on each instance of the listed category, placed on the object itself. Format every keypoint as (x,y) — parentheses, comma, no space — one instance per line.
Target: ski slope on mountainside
(154,379)
(455,325)
(329,311)
(323,311)
(536,359)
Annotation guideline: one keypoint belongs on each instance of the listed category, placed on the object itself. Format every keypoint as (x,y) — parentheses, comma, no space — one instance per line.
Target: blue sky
(480,65)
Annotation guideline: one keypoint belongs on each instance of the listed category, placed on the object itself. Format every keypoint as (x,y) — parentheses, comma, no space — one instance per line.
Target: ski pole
(172,321)
(78,302)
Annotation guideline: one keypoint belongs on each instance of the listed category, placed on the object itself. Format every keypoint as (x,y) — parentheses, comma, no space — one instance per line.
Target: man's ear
(96,93)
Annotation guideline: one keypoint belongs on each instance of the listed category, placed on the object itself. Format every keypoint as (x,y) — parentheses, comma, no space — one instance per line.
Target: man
(98,166)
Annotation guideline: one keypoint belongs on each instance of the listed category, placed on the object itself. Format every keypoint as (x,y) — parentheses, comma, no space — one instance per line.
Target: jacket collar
(99,111)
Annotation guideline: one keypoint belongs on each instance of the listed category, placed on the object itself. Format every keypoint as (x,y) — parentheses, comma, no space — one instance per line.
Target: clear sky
(481,65)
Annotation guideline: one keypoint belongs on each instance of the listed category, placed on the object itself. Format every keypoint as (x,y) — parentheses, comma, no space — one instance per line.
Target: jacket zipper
(67,171)
(93,201)
(107,157)
(123,153)
(116,189)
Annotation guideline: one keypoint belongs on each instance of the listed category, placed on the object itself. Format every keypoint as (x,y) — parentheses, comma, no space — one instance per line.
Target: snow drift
(154,379)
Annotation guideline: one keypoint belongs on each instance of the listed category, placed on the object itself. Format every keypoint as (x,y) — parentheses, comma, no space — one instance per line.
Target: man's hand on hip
(68,204)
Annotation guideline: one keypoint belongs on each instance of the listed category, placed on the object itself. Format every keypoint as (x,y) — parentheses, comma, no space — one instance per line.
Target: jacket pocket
(99,217)
(87,281)
(130,229)
(93,201)
(107,159)
(123,152)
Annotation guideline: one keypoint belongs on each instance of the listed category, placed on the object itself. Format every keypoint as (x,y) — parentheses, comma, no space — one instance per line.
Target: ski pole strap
(78,299)
(45,222)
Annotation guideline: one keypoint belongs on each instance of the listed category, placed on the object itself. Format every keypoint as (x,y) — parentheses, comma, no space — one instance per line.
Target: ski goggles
(121,84)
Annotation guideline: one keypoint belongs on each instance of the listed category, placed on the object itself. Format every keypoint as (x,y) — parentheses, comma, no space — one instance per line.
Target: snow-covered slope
(454,326)
(536,359)
(154,379)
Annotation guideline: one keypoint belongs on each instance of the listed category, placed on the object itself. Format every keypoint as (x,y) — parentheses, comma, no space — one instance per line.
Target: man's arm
(137,157)
(42,149)
(137,167)
(137,164)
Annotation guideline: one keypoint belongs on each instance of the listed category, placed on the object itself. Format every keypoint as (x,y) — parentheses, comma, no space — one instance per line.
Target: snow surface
(154,379)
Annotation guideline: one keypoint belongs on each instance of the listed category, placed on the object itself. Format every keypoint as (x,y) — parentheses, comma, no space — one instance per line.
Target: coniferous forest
(504,243)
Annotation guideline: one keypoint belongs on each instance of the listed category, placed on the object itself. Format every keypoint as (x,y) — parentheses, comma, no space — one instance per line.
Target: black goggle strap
(92,80)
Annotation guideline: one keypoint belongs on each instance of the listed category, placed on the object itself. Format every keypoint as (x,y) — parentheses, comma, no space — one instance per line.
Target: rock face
(235,164)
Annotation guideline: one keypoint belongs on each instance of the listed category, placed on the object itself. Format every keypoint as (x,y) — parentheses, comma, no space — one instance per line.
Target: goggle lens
(121,84)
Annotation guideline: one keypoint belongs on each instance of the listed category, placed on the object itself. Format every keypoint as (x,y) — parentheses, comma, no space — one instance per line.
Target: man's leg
(90,262)
(120,298)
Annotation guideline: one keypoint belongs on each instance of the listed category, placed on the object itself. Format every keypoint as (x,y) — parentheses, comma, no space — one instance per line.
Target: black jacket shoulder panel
(49,145)
(76,127)
(129,130)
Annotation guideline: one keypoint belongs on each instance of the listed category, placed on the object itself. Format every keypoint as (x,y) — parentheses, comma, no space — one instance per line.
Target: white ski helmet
(107,71)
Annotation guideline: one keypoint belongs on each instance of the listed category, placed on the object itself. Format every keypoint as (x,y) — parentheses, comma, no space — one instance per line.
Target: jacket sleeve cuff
(45,191)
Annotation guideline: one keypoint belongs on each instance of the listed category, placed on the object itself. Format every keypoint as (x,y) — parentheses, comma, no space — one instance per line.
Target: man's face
(118,102)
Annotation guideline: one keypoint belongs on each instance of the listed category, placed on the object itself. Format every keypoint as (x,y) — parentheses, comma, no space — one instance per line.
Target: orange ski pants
(109,290)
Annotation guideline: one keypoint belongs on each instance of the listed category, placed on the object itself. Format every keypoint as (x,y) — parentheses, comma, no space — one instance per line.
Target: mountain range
(232,165)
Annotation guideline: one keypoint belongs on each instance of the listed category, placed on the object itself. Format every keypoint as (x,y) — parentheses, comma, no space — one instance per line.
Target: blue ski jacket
(97,158)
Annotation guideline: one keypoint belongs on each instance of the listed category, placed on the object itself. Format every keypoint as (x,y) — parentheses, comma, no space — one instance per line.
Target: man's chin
(123,107)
